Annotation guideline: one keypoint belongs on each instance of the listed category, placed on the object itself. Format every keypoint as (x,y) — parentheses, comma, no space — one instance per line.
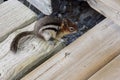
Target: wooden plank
(109,8)
(31,52)
(42,5)
(82,58)
(110,72)
(14,15)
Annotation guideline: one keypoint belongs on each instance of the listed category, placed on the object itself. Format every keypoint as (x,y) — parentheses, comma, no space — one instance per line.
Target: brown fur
(65,27)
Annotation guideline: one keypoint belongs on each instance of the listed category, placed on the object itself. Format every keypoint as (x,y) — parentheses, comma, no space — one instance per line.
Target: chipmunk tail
(14,44)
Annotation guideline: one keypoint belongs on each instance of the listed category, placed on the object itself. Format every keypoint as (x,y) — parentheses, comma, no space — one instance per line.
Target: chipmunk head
(68,27)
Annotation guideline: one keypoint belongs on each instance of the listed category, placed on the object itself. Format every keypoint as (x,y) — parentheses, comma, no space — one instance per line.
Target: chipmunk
(60,28)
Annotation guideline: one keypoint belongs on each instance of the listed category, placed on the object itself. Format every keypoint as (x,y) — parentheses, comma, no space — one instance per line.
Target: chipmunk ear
(62,24)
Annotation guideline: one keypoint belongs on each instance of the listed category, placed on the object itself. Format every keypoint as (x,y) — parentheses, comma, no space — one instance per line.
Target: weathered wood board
(14,15)
(110,72)
(109,8)
(82,58)
(32,51)
(42,5)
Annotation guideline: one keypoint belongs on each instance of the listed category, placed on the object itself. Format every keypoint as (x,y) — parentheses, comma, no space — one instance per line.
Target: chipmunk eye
(71,29)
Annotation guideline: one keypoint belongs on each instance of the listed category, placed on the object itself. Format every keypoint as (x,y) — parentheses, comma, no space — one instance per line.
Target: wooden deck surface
(110,72)
(43,5)
(93,56)
(31,52)
(109,8)
(84,57)
(14,15)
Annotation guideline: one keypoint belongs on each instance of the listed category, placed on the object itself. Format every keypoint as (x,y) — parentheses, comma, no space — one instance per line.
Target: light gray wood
(82,58)
(32,51)
(14,15)
(110,72)
(42,5)
(109,8)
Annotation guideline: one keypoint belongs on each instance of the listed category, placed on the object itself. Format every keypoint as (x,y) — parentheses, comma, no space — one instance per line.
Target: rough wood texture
(109,8)
(14,15)
(84,57)
(110,72)
(32,51)
(42,5)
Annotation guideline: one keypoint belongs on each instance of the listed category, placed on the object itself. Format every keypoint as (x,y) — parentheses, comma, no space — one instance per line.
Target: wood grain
(32,51)
(109,8)
(82,58)
(110,72)
(42,5)
(14,15)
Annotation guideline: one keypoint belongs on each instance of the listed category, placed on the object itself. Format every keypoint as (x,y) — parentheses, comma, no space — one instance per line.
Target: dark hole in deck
(79,12)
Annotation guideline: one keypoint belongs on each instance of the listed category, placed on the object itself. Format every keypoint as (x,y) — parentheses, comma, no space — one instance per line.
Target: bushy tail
(15,41)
